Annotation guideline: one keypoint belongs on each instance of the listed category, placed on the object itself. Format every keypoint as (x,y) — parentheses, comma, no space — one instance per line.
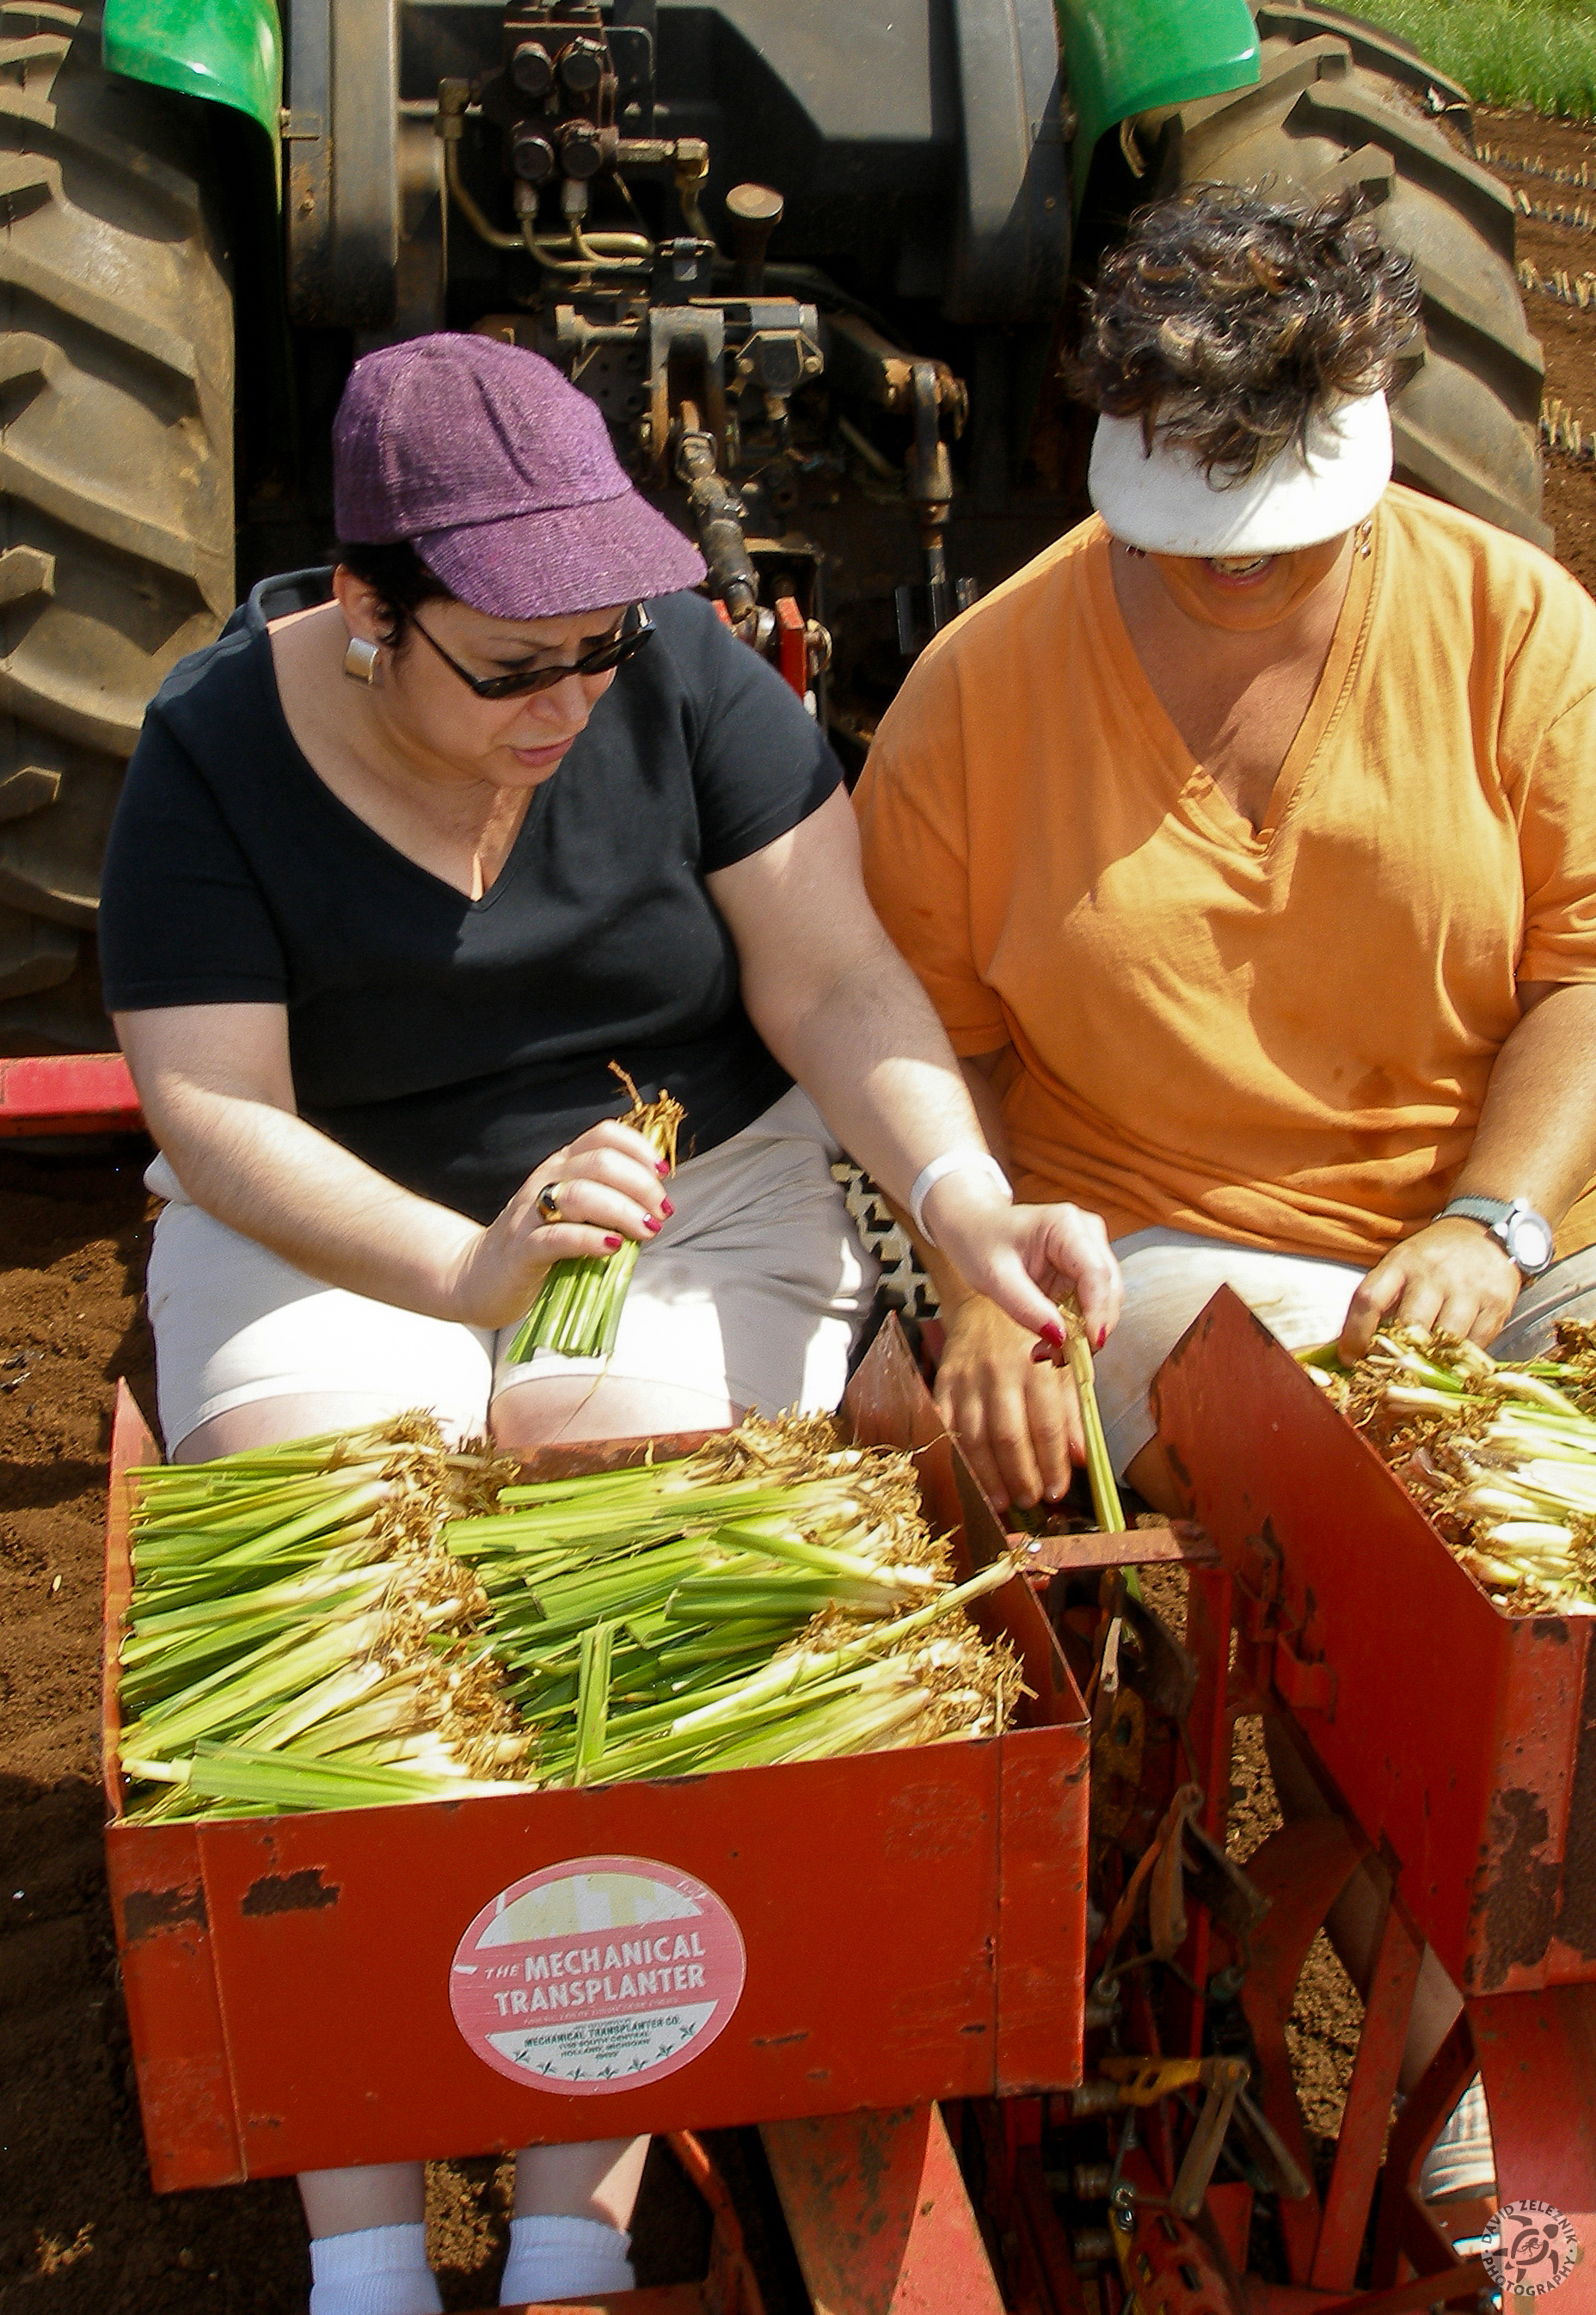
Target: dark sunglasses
(633,632)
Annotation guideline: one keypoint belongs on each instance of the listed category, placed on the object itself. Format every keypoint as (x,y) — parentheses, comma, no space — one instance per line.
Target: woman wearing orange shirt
(1241,842)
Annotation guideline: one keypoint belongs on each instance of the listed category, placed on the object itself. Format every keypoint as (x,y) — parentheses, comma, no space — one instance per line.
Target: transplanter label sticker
(599,1975)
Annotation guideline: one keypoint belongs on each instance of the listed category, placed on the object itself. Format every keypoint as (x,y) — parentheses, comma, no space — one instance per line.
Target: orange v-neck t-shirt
(1282,1037)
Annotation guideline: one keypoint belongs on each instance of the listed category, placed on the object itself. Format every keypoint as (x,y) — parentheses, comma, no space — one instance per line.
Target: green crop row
(1535,52)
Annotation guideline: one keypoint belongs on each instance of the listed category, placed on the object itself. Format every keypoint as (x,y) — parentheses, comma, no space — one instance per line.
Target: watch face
(1530,1242)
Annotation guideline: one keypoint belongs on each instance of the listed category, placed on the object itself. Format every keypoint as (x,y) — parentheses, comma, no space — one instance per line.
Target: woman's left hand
(1451,1278)
(1027,1258)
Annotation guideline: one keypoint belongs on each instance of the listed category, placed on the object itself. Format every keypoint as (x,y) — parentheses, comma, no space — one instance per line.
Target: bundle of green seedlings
(351,1619)
(295,1638)
(1503,1458)
(775,1597)
(578,1309)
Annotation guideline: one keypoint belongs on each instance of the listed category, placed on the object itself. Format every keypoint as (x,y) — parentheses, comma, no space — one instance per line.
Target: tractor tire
(1342,102)
(116,478)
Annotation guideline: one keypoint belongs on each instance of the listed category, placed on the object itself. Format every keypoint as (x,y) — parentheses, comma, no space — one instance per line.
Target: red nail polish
(666,1207)
(612,1246)
(1054,1333)
(663,1170)
(652,1226)
(1102,1337)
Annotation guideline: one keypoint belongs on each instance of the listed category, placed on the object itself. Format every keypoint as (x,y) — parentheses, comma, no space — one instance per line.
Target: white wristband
(952,1161)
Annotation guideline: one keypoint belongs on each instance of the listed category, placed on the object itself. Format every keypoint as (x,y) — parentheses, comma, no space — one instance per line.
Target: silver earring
(1366,539)
(359,661)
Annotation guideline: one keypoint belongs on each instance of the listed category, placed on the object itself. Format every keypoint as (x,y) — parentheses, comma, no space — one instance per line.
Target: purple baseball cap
(501,474)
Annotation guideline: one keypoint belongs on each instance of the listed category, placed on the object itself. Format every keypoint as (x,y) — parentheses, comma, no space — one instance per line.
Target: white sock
(564,2259)
(376,2271)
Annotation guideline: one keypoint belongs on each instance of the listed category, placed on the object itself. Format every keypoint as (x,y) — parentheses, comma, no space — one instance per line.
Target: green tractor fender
(228,51)
(1122,57)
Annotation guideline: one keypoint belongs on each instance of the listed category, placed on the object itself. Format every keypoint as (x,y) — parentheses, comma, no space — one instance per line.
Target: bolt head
(531,157)
(582,66)
(579,154)
(532,68)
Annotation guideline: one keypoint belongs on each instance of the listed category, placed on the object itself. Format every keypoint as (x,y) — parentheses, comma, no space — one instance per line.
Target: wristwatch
(1524,1235)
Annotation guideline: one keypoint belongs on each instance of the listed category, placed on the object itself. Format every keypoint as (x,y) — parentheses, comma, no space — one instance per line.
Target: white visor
(1163,501)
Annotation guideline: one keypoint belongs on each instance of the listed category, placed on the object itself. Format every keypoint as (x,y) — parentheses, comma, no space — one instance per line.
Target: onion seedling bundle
(295,1635)
(343,1621)
(578,1309)
(1502,1458)
(774,1597)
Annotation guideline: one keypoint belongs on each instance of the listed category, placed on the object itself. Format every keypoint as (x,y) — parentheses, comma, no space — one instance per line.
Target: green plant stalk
(382,1712)
(592,1700)
(334,1510)
(578,1308)
(248,1511)
(262,1679)
(349,1684)
(154,1664)
(272,1782)
(803,1664)
(668,1745)
(1106,1507)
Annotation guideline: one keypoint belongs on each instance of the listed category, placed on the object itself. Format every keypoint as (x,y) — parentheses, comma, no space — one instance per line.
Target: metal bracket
(341,205)
(1224,2080)
(696,334)
(1305,1687)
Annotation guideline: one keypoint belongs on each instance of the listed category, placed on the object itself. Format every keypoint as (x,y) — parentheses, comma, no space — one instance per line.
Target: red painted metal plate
(879,2216)
(670,2298)
(1538,2054)
(68,1093)
(1463,1738)
(792,645)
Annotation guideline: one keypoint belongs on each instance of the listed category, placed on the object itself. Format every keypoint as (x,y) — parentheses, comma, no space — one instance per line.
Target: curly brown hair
(1227,318)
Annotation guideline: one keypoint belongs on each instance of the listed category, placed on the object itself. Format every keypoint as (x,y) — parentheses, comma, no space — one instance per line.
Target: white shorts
(754,1291)
(1171,1275)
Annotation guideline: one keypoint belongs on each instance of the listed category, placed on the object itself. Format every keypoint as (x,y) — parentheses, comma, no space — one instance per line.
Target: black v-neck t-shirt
(450,1043)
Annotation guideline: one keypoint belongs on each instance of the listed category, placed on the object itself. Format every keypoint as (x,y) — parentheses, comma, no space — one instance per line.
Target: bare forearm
(273,1178)
(1537,1134)
(871,1054)
(834,1001)
(1536,1140)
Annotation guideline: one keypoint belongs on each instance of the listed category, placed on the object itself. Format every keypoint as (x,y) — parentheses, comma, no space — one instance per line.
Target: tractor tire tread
(1338,101)
(116,484)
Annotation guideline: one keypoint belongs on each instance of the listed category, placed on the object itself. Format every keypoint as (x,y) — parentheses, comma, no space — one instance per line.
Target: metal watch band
(1489,1210)
(1505,1220)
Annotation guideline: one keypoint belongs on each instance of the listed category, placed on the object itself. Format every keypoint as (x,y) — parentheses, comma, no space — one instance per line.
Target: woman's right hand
(1018,1422)
(609,1185)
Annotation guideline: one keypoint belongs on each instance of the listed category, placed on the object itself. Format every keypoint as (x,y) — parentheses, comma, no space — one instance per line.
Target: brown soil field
(81,2233)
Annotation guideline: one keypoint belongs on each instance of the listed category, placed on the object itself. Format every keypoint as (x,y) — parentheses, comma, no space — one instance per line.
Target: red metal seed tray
(1461,1738)
(911,1924)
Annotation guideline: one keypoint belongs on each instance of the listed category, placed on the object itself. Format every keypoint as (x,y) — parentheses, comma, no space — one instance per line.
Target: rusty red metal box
(1462,1740)
(912,1922)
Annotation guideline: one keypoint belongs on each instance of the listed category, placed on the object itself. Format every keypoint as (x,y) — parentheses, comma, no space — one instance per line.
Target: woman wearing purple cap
(402,864)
